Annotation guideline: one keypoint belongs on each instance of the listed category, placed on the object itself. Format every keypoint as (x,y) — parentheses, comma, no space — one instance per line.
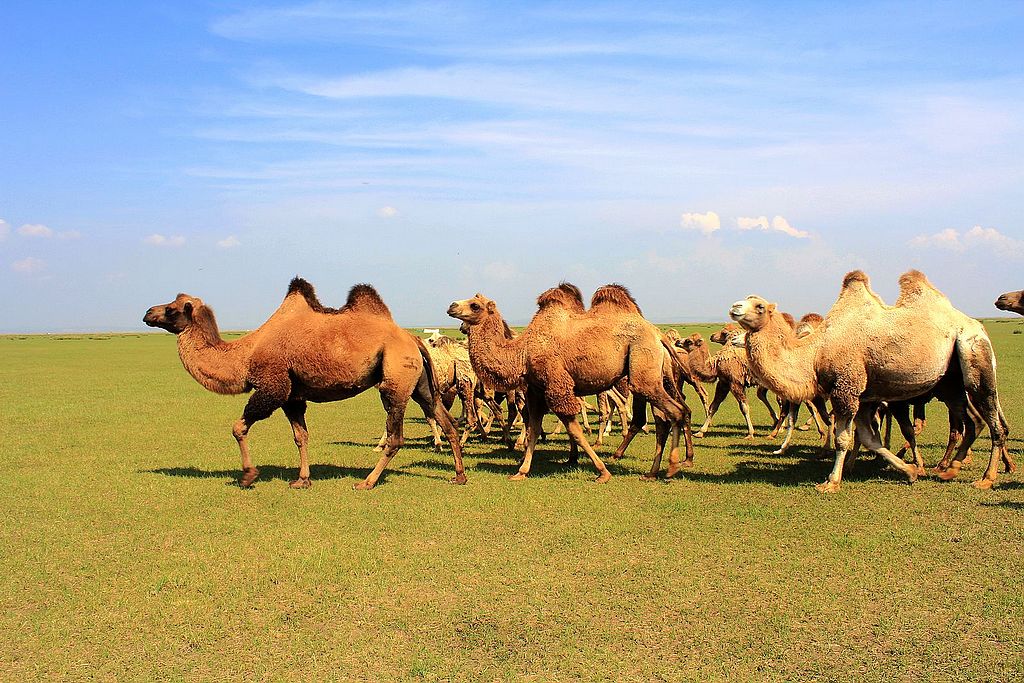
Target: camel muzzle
(453,310)
(736,312)
(152,318)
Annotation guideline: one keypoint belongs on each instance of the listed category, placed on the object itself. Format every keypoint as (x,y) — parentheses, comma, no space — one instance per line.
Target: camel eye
(760,308)
(475,306)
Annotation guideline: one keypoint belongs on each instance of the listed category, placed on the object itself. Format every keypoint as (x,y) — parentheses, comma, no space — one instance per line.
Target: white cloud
(5,229)
(29,264)
(777,224)
(229,242)
(977,237)
(35,230)
(705,223)
(158,240)
(387,212)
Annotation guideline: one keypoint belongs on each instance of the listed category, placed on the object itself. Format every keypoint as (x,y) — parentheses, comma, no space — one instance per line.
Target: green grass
(128,553)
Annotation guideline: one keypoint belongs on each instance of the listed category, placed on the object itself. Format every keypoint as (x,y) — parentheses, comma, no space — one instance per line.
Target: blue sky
(696,152)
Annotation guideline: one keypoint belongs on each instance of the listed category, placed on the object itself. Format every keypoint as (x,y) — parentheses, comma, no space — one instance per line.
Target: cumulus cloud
(705,223)
(229,242)
(35,230)
(777,224)
(387,212)
(977,237)
(158,240)
(29,264)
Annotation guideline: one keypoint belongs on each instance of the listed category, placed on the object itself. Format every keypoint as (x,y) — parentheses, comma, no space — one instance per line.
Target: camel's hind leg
(260,406)
(762,396)
(977,362)
(844,439)
(636,425)
(869,436)
(740,394)
(575,431)
(790,418)
(394,404)
(442,419)
(295,411)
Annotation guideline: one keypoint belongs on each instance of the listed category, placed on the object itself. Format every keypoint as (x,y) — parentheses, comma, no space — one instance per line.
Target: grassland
(127,552)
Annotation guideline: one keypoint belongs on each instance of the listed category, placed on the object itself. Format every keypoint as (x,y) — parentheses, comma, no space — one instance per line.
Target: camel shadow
(787,474)
(278,473)
(1010,504)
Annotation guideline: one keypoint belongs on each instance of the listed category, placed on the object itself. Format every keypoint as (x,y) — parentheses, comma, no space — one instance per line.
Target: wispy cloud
(387,212)
(229,242)
(776,224)
(28,265)
(35,230)
(977,237)
(158,240)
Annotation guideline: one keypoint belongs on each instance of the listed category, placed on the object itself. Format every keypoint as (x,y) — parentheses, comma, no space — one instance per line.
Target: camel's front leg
(661,428)
(869,436)
(572,426)
(844,439)
(790,417)
(295,411)
(721,391)
(535,409)
(260,406)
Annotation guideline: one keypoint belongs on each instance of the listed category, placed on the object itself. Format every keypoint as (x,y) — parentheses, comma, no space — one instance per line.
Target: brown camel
(693,364)
(564,354)
(867,352)
(1011,301)
(307,352)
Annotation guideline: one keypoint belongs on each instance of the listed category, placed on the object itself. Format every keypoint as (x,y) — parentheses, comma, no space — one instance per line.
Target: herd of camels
(860,362)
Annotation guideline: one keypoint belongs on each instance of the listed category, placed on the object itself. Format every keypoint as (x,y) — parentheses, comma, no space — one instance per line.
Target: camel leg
(780,422)
(721,391)
(843,441)
(395,409)
(443,419)
(295,411)
(870,437)
(604,417)
(979,371)
(535,409)
(661,429)
(762,396)
(790,417)
(465,390)
(636,425)
(899,412)
(573,428)
(260,406)
(740,394)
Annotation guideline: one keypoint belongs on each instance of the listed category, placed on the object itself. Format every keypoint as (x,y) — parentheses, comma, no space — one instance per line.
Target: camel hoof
(911,475)
(248,477)
(301,483)
(967,460)
(603,477)
(673,470)
(921,471)
(779,451)
(698,435)
(459,479)
(518,476)
(1010,468)
(647,478)
(748,437)
(804,428)
(950,473)
(688,464)
(618,456)
(378,449)
(828,487)
(363,486)
(984,484)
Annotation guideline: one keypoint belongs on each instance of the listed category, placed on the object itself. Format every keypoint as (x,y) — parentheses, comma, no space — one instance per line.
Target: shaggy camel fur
(693,363)
(867,352)
(307,352)
(564,354)
(1011,301)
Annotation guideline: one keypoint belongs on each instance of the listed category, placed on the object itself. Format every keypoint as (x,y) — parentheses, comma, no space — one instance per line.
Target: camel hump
(565,294)
(365,299)
(300,286)
(914,285)
(856,276)
(615,295)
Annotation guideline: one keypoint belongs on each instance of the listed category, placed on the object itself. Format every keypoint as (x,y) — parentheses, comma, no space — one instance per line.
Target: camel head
(1011,301)
(472,311)
(753,313)
(692,343)
(175,316)
(727,334)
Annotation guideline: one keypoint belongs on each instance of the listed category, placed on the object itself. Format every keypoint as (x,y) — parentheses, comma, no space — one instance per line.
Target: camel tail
(428,368)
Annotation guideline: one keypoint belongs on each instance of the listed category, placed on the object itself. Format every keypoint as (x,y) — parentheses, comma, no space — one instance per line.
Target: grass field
(128,552)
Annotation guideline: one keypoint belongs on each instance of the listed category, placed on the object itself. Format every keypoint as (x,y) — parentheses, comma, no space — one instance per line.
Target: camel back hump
(302,287)
(617,296)
(566,295)
(915,287)
(363,298)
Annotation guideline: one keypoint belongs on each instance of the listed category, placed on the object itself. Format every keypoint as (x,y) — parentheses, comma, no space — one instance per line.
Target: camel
(565,353)
(694,363)
(308,352)
(866,352)
(1011,301)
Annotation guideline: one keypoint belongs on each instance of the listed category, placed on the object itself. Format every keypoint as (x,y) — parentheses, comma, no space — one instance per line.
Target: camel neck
(500,362)
(220,366)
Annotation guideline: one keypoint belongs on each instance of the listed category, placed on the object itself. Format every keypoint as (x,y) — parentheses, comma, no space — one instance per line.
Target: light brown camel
(307,352)
(1011,301)
(867,352)
(564,354)
(694,363)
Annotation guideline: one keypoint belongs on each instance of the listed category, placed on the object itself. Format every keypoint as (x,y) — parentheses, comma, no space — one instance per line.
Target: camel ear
(771,308)
(490,307)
